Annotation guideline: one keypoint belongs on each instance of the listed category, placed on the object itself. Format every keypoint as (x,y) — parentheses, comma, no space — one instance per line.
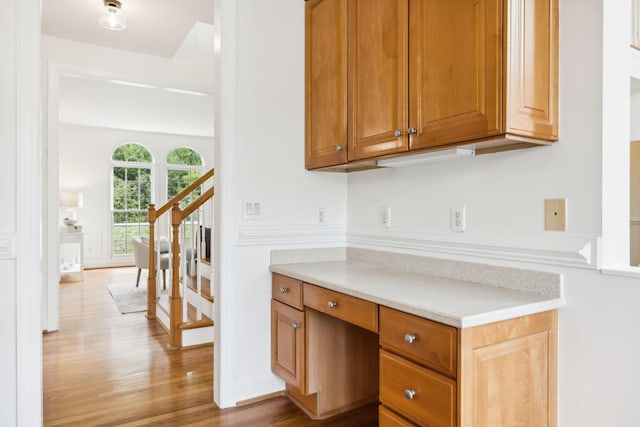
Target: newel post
(151,281)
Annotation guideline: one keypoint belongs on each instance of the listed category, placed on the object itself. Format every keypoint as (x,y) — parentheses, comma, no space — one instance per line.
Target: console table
(71,253)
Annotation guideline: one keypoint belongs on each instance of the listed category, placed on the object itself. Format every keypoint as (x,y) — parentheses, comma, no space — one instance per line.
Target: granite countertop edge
(422,308)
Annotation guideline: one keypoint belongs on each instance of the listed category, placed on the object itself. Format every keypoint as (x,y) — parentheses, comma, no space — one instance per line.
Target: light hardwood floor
(106,368)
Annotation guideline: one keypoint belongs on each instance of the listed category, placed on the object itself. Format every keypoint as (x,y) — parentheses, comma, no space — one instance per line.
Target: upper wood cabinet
(378,79)
(455,71)
(428,74)
(326,83)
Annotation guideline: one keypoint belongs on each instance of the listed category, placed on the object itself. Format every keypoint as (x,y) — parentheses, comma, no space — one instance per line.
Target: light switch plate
(555,214)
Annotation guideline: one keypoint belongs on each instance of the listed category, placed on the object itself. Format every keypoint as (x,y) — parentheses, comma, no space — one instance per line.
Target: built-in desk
(432,351)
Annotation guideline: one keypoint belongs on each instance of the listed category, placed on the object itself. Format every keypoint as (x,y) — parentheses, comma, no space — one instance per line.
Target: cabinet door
(455,69)
(287,344)
(378,74)
(326,83)
(532,69)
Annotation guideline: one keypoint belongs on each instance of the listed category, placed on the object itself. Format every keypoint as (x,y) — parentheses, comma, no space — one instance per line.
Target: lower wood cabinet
(287,344)
(423,373)
(506,372)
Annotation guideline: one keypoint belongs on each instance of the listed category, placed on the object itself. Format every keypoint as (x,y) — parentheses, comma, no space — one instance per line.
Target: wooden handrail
(184,193)
(197,203)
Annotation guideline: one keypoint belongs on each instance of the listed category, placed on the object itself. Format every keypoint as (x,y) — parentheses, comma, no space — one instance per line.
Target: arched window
(131,194)
(184,166)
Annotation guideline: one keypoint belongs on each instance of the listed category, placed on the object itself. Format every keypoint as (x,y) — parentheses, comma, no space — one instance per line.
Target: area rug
(128,298)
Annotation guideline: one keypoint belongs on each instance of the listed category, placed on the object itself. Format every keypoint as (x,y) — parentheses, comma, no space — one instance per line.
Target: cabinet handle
(409,338)
(412,131)
(339,148)
(284,290)
(409,394)
(332,304)
(398,133)
(297,325)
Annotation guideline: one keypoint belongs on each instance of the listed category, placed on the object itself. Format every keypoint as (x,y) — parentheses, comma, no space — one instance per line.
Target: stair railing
(177,217)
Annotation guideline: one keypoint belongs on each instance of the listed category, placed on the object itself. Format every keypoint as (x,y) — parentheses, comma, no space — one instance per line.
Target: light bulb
(112,19)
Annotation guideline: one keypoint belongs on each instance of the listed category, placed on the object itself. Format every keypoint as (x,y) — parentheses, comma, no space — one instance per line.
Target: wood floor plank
(103,368)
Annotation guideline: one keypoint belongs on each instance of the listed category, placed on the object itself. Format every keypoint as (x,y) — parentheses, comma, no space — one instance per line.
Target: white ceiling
(156,27)
(161,28)
(103,103)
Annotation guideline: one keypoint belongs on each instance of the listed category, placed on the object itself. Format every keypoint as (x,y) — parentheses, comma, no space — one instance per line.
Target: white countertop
(453,302)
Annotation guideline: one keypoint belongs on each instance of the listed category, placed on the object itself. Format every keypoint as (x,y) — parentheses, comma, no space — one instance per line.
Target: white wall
(8,224)
(119,64)
(85,166)
(262,159)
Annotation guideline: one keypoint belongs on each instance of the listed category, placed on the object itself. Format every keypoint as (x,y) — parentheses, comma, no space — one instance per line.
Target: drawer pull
(284,290)
(409,338)
(297,325)
(332,304)
(409,394)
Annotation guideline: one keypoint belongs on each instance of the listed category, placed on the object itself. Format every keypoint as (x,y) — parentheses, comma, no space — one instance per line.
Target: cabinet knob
(412,131)
(398,133)
(297,325)
(284,290)
(409,394)
(339,148)
(409,338)
(332,304)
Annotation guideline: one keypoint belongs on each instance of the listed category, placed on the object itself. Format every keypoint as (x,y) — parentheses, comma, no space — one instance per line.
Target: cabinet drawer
(387,418)
(350,309)
(287,290)
(423,396)
(423,341)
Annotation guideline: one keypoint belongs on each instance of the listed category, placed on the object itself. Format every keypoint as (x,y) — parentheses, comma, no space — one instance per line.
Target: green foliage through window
(132,153)
(188,172)
(184,156)
(131,197)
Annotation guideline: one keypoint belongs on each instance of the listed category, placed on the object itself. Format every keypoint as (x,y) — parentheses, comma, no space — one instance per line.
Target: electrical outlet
(458,219)
(555,214)
(321,216)
(385,217)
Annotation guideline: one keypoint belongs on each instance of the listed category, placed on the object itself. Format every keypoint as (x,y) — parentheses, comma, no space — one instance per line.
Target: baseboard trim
(261,398)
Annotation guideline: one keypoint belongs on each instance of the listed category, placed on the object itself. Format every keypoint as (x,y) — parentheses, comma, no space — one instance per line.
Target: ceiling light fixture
(113,19)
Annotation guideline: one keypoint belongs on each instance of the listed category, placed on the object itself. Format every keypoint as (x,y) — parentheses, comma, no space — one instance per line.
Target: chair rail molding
(7,246)
(568,251)
(287,235)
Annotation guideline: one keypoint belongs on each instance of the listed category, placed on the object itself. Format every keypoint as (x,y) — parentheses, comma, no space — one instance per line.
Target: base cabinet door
(287,344)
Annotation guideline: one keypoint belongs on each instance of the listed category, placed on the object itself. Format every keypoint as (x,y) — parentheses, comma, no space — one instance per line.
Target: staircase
(185,309)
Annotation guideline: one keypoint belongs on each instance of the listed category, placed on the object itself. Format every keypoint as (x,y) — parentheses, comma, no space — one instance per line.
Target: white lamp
(71,200)
(112,19)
